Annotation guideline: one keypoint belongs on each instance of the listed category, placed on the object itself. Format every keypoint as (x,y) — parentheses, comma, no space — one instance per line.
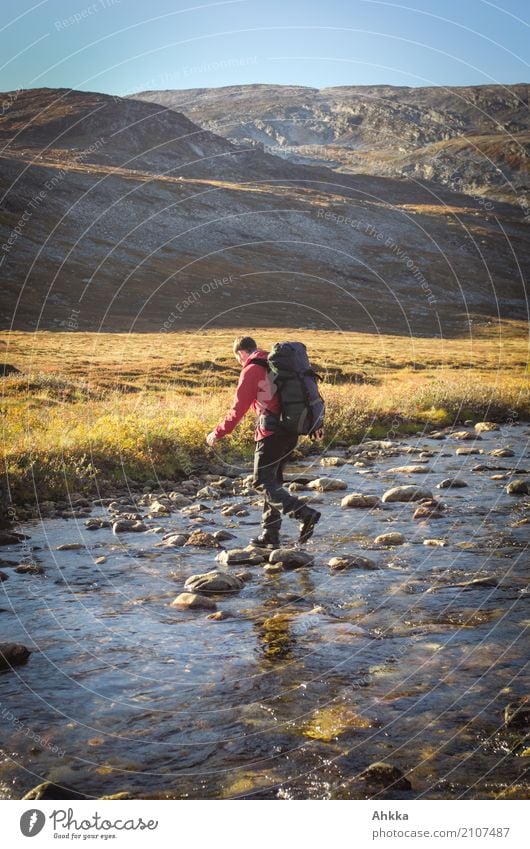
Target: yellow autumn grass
(84,410)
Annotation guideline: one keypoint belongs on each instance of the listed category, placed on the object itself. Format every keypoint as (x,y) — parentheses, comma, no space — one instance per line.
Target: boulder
(392,538)
(192,601)
(409,492)
(290,558)
(240,556)
(202,539)
(13,654)
(484,427)
(351,561)
(429,509)
(382,774)
(327,484)
(358,499)
(518,487)
(213,582)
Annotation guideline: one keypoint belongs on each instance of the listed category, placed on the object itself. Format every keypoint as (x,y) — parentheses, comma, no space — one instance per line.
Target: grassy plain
(85,411)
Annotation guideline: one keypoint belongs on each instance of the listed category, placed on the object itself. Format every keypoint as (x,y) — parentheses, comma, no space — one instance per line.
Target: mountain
(474,139)
(122,215)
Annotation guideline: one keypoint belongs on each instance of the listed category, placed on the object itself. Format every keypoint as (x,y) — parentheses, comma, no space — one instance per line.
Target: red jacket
(255,390)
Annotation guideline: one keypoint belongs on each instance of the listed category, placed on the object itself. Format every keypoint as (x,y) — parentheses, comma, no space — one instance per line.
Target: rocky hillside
(121,215)
(383,130)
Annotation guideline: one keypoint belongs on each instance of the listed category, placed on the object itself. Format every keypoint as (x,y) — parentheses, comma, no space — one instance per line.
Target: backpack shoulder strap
(260,362)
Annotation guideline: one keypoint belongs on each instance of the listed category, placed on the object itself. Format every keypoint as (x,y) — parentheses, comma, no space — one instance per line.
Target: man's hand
(318,434)
(211,439)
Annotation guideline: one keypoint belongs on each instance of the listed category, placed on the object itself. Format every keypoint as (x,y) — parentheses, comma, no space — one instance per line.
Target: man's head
(243,347)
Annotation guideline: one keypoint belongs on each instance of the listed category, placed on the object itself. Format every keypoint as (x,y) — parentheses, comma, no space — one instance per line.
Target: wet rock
(174,540)
(273,568)
(3,577)
(518,487)
(219,615)
(29,569)
(429,509)
(484,427)
(192,601)
(329,722)
(392,538)
(240,556)
(474,584)
(234,510)
(13,654)
(332,461)
(94,524)
(49,790)
(406,493)
(437,434)
(517,713)
(100,560)
(409,470)
(208,492)
(213,582)
(178,500)
(465,434)
(70,546)
(202,539)
(195,509)
(465,452)
(435,542)
(157,508)
(502,452)
(221,536)
(371,445)
(451,483)
(351,561)
(290,558)
(381,774)
(128,526)
(327,484)
(357,499)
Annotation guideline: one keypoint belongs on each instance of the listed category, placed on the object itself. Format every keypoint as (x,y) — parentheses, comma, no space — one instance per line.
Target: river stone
(13,654)
(435,542)
(175,540)
(96,524)
(240,556)
(70,546)
(451,483)
(484,427)
(128,526)
(409,470)
(234,510)
(392,538)
(327,484)
(49,790)
(436,434)
(409,492)
(11,538)
(351,561)
(429,509)
(29,569)
(3,577)
(219,615)
(502,452)
(213,582)
(192,601)
(385,775)
(518,487)
(208,492)
(202,539)
(517,713)
(223,535)
(178,500)
(290,558)
(157,508)
(100,560)
(195,509)
(464,434)
(357,499)
(332,461)
(465,452)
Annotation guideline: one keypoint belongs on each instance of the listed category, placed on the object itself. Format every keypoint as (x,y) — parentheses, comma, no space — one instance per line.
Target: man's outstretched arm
(246,393)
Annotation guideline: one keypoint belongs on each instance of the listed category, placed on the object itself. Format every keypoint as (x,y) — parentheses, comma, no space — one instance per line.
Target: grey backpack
(302,406)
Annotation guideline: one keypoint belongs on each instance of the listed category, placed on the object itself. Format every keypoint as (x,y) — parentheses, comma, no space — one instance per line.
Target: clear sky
(123,46)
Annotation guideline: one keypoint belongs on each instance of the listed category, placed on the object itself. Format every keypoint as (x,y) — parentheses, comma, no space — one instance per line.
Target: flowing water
(316,674)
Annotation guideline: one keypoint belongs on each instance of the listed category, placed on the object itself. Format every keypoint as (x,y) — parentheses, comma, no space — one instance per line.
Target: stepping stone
(332,461)
(192,601)
(409,470)
(451,483)
(290,558)
(392,538)
(502,452)
(430,509)
(518,487)
(13,654)
(484,427)
(406,493)
(351,561)
(202,539)
(240,556)
(327,484)
(357,499)
(213,582)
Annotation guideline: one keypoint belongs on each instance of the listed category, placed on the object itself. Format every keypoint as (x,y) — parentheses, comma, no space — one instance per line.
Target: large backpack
(302,406)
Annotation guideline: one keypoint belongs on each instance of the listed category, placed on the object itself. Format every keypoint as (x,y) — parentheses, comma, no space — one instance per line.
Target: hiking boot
(266,540)
(309,519)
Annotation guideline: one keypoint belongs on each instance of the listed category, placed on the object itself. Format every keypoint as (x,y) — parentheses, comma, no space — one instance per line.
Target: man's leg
(272,453)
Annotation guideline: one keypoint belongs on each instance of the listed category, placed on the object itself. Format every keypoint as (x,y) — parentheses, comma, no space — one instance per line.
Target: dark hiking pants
(270,457)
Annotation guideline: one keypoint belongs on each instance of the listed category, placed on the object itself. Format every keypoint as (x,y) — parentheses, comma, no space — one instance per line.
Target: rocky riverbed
(149,651)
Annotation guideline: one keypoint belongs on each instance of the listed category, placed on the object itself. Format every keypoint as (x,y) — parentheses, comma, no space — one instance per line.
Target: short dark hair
(244,343)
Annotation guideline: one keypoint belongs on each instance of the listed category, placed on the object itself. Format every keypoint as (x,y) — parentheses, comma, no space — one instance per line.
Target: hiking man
(274,446)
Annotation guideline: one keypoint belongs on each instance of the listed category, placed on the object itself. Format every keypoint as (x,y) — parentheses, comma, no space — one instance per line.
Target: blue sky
(123,46)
